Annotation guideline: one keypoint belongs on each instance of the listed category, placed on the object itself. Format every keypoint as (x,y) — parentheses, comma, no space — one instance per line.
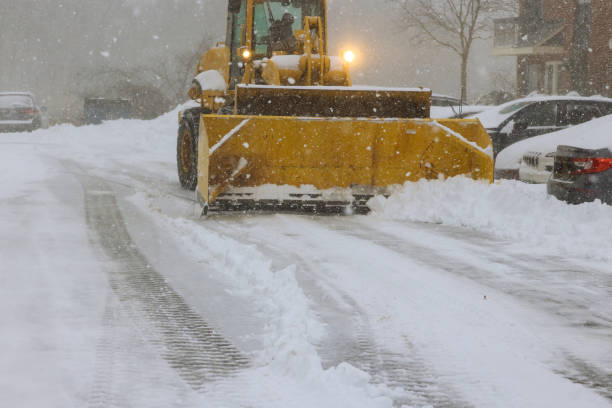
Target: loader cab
(250,24)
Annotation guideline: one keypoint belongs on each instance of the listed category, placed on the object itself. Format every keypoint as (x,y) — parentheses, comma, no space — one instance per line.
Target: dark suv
(523,118)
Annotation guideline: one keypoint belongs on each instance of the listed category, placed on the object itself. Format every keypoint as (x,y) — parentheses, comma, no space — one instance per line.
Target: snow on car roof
(16,100)
(493,117)
(17,93)
(596,134)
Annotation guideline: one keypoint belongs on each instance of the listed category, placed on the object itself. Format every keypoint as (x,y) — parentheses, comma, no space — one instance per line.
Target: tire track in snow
(187,343)
(581,372)
(574,369)
(101,395)
(350,338)
(361,350)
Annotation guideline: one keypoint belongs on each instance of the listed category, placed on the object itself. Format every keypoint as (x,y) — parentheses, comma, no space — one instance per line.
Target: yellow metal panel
(328,153)
(216,59)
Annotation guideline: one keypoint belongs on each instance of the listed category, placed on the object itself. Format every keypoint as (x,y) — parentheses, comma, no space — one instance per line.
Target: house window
(533,9)
(582,32)
(580,50)
(553,77)
(534,78)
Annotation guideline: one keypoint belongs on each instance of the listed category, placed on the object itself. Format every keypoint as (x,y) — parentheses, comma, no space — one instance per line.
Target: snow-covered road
(113,293)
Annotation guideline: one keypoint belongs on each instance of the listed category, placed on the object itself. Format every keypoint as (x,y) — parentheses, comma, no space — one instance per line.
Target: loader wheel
(187,148)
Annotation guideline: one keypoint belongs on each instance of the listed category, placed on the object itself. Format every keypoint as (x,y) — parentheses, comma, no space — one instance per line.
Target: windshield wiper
(271,18)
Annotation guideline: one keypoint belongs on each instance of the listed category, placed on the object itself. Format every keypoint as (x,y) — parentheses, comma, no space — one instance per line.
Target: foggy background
(65,50)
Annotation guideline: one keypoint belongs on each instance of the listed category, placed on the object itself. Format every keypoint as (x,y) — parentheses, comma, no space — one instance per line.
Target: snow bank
(289,363)
(510,210)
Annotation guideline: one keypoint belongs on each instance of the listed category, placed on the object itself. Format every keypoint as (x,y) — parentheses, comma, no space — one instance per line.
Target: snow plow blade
(261,162)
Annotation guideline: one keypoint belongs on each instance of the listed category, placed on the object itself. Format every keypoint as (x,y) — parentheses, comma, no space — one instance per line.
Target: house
(560,45)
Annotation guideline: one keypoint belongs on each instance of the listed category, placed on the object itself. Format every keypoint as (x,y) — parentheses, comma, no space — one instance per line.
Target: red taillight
(30,111)
(592,165)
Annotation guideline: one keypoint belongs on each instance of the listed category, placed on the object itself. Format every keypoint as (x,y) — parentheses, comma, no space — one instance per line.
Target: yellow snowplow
(281,126)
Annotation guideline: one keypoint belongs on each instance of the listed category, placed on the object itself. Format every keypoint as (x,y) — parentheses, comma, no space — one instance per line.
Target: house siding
(596,76)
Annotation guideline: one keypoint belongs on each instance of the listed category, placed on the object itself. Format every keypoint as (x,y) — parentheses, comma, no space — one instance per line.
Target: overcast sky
(45,44)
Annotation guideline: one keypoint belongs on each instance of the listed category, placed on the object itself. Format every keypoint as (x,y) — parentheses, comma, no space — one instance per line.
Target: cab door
(236,28)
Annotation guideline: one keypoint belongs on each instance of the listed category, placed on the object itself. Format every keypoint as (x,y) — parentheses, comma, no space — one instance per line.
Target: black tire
(187,148)
(36,124)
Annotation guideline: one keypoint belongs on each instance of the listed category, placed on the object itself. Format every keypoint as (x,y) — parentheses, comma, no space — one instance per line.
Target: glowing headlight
(349,56)
(246,55)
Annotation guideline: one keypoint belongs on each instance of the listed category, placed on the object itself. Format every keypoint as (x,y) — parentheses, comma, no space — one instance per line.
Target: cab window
(266,12)
(235,22)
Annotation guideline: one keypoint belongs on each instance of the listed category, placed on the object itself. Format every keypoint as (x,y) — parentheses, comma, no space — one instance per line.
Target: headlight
(246,54)
(349,56)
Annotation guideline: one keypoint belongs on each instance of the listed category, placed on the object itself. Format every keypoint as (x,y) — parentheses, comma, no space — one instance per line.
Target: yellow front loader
(281,126)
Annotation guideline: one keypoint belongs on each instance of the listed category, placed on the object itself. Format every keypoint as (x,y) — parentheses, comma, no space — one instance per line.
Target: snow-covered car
(444,100)
(531,160)
(443,106)
(19,112)
(457,112)
(582,172)
(536,115)
(535,167)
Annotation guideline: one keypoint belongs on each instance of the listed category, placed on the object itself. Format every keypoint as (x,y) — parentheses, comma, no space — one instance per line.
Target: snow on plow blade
(246,160)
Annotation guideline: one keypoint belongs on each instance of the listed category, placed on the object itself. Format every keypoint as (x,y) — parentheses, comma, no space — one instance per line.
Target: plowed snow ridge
(508,209)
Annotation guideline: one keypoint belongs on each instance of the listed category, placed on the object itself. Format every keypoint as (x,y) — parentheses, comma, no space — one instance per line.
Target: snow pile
(596,134)
(510,210)
(211,80)
(288,364)
(287,62)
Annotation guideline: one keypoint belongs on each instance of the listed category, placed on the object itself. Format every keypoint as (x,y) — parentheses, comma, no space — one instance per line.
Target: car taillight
(592,165)
(30,111)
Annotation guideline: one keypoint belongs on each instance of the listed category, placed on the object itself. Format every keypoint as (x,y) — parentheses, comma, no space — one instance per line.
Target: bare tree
(452,24)
(175,73)
(153,88)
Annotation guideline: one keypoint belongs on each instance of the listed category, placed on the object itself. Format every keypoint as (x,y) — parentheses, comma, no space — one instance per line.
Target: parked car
(97,110)
(443,106)
(536,167)
(531,160)
(19,112)
(524,118)
(444,100)
(495,98)
(583,172)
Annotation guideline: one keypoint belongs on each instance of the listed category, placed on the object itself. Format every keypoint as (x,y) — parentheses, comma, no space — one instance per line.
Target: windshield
(15,101)
(514,107)
(277,20)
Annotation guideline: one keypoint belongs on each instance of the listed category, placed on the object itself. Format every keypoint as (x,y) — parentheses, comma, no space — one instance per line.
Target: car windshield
(514,107)
(15,101)
(268,13)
